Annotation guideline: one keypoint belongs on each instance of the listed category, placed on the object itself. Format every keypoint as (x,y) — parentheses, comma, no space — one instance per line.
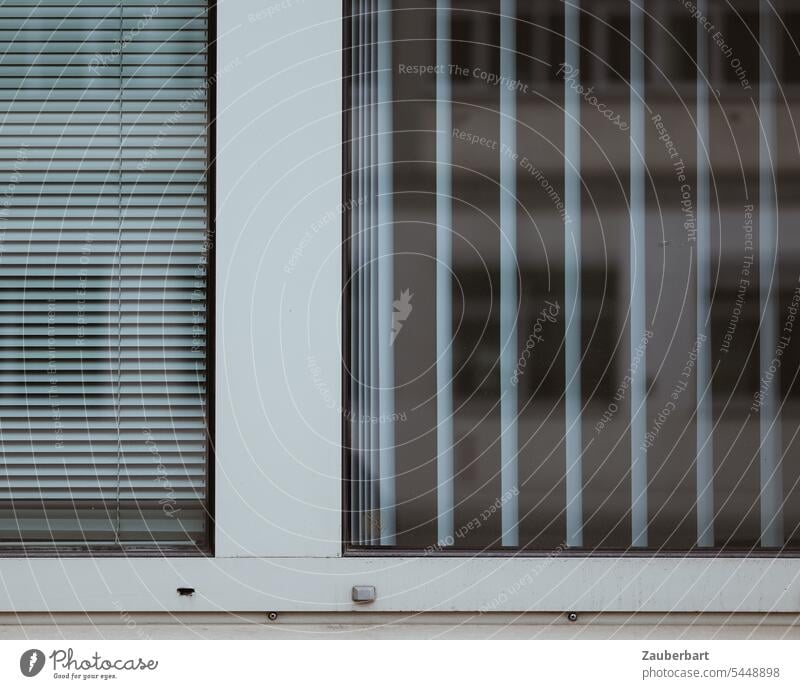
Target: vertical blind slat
(572,297)
(705,442)
(639,476)
(385,258)
(769,420)
(509,446)
(372,218)
(444,296)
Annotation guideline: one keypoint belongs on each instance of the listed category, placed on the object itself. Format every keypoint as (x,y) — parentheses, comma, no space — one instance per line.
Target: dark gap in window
(555,51)
(791,47)
(525,49)
(492,48)
(461,49)
(619,49)
(585,25)
(681,42)
(739,47)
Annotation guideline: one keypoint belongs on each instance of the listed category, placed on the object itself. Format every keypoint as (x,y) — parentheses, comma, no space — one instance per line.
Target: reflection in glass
(587,306)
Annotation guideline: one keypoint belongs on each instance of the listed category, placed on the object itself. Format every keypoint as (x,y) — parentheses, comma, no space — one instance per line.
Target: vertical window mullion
(769,409)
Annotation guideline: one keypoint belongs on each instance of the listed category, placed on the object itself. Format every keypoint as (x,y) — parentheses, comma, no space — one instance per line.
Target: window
(281,423)
(573,278)
(104,292)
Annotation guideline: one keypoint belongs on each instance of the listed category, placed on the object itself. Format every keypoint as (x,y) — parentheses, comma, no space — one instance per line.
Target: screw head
(272,616)
(572,617)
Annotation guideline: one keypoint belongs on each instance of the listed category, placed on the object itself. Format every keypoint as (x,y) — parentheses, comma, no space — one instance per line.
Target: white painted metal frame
(278,506)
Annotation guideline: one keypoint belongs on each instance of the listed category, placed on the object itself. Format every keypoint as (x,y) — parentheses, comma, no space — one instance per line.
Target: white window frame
(278,511)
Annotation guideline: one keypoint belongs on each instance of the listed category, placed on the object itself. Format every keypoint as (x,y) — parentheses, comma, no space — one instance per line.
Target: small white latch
(364,594)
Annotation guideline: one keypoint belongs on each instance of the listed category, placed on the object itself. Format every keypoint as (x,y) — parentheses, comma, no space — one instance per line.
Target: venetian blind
(103,274)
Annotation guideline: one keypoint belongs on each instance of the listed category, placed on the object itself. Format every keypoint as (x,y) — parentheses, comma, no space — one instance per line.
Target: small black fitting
(272,616)
(185,591)
(572,616)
